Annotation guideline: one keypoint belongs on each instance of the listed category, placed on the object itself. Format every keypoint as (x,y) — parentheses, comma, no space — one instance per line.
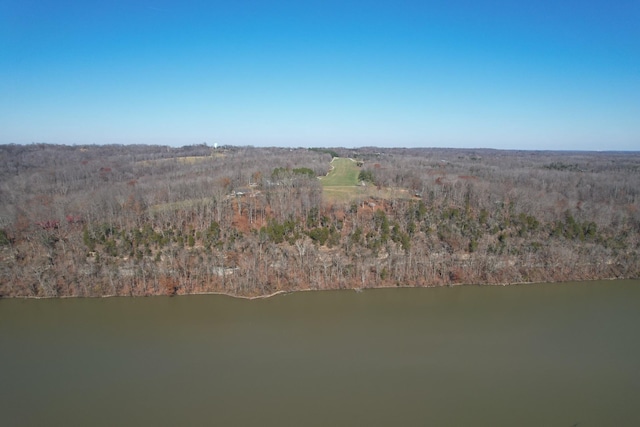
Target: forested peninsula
(136,220)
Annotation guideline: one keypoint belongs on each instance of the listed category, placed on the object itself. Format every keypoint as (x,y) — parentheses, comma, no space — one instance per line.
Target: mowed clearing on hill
(344,172)
(342,185)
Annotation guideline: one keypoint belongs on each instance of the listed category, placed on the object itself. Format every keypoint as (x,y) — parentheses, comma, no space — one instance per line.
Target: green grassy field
(342,185)
(357,193)
(344,173)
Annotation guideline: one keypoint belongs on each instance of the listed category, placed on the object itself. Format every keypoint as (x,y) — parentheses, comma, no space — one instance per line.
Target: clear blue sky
(504,74)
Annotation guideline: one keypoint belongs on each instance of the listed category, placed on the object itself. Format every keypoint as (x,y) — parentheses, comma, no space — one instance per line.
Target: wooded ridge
(147,220)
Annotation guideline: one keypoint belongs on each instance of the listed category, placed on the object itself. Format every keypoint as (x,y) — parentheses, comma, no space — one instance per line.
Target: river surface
(527,355)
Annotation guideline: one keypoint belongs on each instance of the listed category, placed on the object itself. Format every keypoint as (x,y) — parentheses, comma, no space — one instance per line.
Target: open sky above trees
(501,74)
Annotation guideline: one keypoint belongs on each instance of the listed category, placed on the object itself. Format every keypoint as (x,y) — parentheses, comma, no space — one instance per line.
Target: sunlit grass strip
(358,193)
(343,194)
(344,173)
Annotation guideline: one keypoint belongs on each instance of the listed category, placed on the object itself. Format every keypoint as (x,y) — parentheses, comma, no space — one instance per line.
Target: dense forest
(145,220)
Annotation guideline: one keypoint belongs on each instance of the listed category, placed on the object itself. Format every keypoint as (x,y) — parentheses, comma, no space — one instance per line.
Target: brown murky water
(530,355)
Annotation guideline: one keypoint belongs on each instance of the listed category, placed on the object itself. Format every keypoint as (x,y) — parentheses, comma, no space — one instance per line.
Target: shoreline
(283,292)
